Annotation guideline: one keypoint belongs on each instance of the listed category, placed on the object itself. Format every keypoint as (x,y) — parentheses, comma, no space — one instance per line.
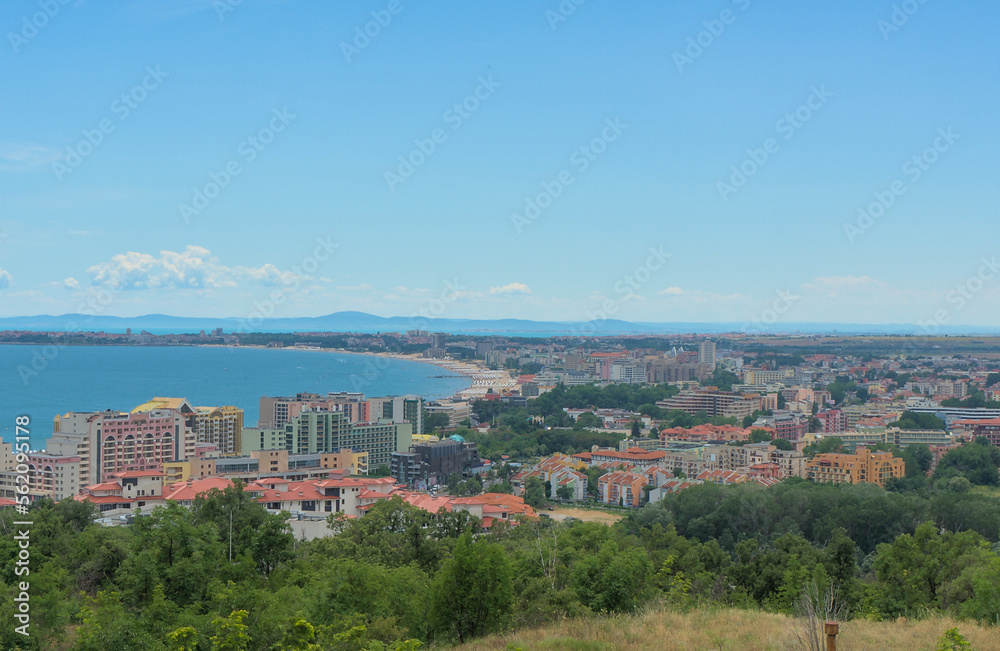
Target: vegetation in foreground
(399,578)
(727,629)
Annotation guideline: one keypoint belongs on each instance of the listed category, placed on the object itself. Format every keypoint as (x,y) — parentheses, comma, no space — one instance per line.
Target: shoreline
(480,377)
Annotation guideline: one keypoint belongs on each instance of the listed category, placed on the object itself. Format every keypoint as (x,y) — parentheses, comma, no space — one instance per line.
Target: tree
(435,421)
(782,444)
(614,580)
(976,462)
(502,487)
(169,549)
(952,640)
(564,492)
(230,632)
(758,435)
(474,591)
(918,459)
(651,410)
(534,492)
(587,420)
(830,444)
(236,514)
(107,626)
(915,420)
(636,429)
(593,476)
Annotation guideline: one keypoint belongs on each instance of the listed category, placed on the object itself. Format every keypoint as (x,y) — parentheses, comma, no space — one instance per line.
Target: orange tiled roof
(188,490)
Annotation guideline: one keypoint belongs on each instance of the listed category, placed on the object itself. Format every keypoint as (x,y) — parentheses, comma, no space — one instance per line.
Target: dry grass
(729,630)
(587,515)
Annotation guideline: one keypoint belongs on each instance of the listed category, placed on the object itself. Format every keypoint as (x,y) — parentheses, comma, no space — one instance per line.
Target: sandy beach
(483,379)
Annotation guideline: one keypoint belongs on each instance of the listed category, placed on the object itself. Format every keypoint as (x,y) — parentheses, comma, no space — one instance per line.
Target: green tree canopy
(474,592)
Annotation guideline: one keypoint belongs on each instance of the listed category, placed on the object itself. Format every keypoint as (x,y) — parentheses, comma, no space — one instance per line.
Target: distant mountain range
(368,323)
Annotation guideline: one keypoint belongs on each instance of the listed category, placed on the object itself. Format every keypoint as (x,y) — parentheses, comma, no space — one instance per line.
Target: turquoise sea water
(93,378)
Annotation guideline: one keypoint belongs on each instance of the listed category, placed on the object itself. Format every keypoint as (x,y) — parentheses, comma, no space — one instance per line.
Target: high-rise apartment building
(275,412)
(399,409)
(110,441)
(319,431)
(706,353)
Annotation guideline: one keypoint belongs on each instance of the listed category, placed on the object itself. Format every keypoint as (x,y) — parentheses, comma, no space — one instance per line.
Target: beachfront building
(220,426)
(457,411)
(399,409)
(315,430)
(276,412)
(111,442)
(54,476)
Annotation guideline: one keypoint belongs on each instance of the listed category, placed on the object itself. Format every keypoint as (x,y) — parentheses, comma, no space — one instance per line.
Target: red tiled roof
(372,494)
(105,486)
(188,490)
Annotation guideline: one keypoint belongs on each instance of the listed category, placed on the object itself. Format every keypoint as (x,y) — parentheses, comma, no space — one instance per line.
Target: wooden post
(831,629)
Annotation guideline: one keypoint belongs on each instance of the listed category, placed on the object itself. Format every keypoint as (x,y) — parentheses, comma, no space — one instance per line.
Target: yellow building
(862,466)
(222,426)
(356,462)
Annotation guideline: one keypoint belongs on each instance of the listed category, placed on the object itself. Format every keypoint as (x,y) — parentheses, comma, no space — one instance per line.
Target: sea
(43,381)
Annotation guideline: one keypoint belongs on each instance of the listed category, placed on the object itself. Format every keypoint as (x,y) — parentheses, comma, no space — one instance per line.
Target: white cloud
(5,279)
(71,283)
(16,157)
(195,267)
(511,288)
(671,291)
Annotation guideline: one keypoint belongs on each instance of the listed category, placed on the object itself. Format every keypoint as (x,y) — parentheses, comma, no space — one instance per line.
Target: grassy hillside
(729,630)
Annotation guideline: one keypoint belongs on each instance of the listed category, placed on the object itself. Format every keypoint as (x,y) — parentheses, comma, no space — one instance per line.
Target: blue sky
(321,214)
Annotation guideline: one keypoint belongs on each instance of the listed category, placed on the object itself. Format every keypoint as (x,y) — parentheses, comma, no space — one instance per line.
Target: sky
(722,161)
